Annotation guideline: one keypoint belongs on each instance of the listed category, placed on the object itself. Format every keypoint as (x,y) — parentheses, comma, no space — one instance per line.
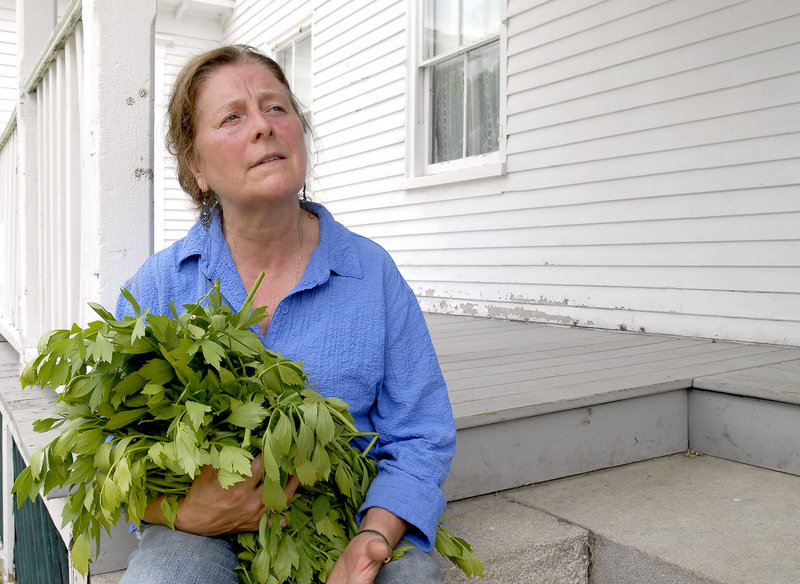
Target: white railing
(10,237)
(59,186)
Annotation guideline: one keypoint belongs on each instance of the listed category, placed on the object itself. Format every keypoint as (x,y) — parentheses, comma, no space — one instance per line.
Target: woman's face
(249,144)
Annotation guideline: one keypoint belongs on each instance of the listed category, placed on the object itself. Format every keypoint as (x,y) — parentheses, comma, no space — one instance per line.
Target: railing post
(36,20)
(118,145)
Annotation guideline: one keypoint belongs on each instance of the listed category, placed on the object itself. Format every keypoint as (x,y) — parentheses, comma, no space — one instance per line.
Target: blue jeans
(174,557)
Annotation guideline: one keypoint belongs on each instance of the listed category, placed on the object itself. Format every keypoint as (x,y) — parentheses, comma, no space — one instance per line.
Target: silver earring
(205,215)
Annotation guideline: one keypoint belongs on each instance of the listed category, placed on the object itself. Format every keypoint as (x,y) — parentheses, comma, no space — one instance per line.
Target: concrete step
(517,543)
(108,578)
(681,519)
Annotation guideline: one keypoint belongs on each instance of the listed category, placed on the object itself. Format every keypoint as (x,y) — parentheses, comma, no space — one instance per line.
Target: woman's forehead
(238,81)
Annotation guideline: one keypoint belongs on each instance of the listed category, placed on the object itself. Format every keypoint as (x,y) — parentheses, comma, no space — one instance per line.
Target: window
(294,57)
(459,75)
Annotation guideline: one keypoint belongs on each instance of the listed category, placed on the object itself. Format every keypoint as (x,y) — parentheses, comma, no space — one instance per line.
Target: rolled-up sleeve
(413,417)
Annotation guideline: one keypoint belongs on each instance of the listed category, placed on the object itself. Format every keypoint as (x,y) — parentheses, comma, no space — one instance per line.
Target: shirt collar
(336,252)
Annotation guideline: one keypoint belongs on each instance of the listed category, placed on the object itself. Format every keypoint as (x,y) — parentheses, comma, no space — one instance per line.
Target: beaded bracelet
(385,540)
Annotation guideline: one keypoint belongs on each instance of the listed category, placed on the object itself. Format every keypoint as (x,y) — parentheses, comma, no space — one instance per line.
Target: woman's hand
(208,509)
(360,561)
(366,552)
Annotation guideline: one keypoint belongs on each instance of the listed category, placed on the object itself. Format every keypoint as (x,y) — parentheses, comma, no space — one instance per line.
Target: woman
(337,303)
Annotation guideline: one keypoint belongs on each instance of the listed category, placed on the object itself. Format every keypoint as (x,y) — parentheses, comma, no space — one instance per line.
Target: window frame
(419,171)
(290,39)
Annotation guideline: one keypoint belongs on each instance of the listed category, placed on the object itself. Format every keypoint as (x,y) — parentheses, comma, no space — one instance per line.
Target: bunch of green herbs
(145,402)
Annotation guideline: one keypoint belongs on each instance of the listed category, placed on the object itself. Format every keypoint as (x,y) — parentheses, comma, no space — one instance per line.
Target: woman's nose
(262,126)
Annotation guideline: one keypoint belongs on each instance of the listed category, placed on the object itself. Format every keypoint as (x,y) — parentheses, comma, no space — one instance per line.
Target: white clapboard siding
(182,38)
(651,154)
(8,60)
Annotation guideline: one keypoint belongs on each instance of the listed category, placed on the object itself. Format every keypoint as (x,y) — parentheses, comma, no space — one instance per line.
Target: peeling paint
(140,173)
(429,292)
(469,309)
(520,313)
(130,101)
(143,93)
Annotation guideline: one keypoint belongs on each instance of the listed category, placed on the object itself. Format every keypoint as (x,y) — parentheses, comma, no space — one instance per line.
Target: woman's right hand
(209,510)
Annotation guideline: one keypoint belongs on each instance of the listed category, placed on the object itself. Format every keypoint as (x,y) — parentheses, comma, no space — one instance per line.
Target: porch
(538,403)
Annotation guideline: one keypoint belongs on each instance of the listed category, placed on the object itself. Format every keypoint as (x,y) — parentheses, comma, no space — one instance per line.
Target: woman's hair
(182,109)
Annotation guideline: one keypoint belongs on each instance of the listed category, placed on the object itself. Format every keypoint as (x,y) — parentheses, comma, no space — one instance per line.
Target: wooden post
(117,203)
(36,20)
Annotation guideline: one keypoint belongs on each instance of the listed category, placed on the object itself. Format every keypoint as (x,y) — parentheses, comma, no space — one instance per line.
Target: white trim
(419,172)
(64,29)
(8,500)
(159,170)
(467,173)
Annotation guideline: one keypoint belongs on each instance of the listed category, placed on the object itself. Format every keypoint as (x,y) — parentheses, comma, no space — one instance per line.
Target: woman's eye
(230,118)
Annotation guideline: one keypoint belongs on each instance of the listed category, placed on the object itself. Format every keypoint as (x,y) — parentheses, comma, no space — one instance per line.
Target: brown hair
(182,108)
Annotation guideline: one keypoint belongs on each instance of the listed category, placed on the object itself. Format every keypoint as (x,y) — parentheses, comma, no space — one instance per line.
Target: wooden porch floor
(500,370)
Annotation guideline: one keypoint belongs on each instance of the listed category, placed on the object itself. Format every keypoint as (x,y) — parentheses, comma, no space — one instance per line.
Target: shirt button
(283,310)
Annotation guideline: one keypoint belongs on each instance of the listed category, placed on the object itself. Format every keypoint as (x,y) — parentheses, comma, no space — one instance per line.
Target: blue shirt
(356,326)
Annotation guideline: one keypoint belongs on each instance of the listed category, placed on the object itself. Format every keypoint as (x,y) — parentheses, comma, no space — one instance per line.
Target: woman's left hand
(360,561)
(366,552)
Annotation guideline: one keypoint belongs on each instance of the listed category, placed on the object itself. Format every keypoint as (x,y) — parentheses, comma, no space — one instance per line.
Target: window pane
(447,110)
(302,71)
(441,27)
(481,18)
(483,100)
(284,58)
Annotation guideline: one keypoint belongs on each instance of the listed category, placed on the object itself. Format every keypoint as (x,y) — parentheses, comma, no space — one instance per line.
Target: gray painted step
(681,520)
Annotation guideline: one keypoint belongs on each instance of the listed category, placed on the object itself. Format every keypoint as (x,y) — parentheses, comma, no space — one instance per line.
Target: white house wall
(8,60)
(177,39)
(651,163)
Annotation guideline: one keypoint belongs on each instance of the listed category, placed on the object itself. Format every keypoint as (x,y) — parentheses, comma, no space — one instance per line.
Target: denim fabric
(174,557)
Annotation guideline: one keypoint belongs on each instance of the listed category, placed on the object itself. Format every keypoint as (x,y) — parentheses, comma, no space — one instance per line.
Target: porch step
(681,519)
(534,402)
(108,578)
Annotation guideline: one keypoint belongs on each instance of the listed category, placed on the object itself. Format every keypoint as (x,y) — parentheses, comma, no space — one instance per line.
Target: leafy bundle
(145,402)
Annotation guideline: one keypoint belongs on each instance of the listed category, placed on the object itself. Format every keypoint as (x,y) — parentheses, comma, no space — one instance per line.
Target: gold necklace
(300,255)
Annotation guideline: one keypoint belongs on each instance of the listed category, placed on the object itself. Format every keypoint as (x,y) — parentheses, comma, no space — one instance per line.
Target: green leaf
(287,558)
(124,418)
(110,497)
(282,432)
(325,427)
(235,459)
(122,476)
(212,353)
(169,508)
(80,552)
(227,479)
(273,496)
(247,415)
(102,350)
(157,371)
(196,413)
(139,330)
(129,297)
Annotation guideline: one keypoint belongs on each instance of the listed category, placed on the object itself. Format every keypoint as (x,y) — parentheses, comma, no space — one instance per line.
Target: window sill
(459,175)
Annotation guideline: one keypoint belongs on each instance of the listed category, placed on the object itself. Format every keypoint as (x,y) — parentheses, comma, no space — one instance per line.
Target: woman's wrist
(389,525)
(375,532)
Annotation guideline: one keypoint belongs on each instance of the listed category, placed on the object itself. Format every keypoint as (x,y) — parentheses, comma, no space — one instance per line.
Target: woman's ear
(198,176)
